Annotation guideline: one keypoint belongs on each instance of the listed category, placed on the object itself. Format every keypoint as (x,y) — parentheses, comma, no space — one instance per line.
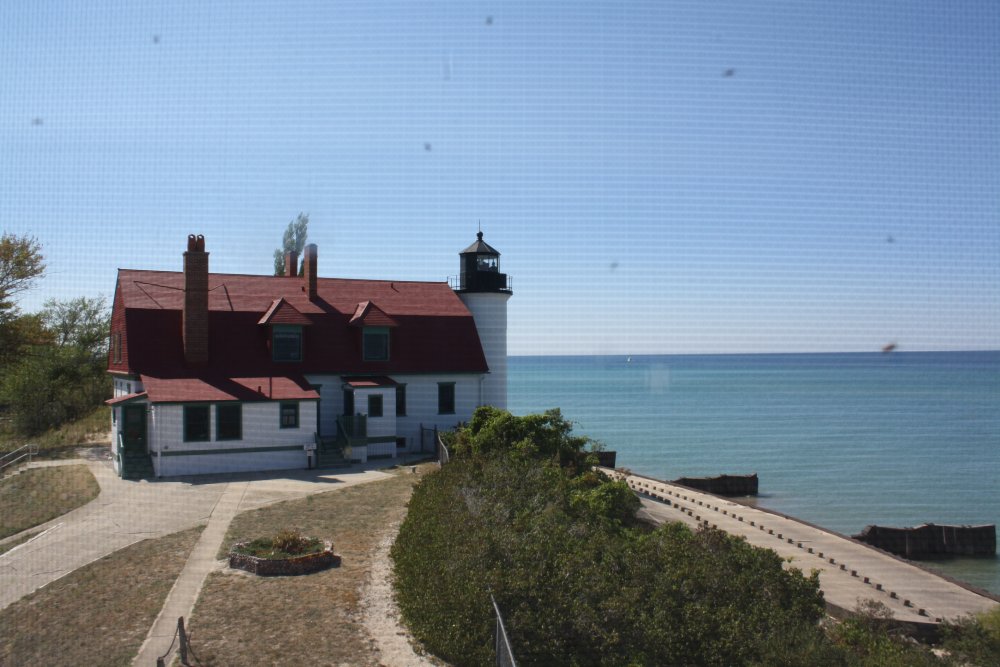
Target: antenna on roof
(480,221)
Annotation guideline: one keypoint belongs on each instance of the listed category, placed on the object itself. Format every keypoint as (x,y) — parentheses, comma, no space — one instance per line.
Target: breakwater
(722,485)
(932,541)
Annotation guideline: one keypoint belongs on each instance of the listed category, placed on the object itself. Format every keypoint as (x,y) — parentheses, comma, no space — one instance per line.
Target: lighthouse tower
(485,291)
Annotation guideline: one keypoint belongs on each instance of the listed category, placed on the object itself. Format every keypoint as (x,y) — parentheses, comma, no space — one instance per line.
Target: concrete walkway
(237,497)
(123,513)
(127,511)
(849,571)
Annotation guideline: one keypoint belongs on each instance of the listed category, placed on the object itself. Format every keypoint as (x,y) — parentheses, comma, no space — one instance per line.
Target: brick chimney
(309,271)
(291,264)
(195,314)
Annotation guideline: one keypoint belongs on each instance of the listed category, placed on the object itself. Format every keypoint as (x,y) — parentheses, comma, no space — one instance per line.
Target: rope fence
(184,651)
(504,652)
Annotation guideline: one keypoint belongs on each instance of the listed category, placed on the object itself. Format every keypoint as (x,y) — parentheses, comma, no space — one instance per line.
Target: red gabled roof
(367,314)
(126,398)
(164,290)
(282,312)
(209,388)
(435,334)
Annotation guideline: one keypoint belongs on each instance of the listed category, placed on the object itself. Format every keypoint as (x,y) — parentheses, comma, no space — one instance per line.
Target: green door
(134,432)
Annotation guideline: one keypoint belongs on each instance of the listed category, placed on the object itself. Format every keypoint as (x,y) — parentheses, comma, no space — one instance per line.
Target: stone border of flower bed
(284,567)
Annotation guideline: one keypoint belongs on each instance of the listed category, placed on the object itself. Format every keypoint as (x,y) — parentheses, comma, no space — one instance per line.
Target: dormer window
(286,330)
(374,324)
(375,341)
(286,343)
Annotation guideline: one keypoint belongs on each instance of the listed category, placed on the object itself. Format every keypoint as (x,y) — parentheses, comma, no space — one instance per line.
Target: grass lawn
(37,495)
(99,614)
(314,619)
(62,442)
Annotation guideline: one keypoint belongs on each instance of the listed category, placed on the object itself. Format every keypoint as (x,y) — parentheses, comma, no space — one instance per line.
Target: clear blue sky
(644,200)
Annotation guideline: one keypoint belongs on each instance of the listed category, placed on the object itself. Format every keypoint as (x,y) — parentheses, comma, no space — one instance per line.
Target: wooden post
(182,636)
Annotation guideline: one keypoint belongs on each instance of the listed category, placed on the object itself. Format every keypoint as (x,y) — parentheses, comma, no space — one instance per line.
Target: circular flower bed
(287,553)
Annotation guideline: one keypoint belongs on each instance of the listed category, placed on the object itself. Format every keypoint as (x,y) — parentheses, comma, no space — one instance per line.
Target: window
(289,415)
(446,398)
(375,405)
(401,400)
(116,348)
(376,343)
(229,421)
(196,423)
(286,343)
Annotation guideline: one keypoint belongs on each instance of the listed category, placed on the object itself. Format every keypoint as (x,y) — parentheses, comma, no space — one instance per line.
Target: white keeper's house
(230,373)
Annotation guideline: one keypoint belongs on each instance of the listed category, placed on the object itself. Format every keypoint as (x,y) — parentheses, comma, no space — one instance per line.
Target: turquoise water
(839,440)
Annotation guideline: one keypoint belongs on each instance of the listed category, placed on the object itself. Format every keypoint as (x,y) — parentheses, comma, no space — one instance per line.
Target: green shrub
(519,513)
(975,640)
(577,586)
(286,544)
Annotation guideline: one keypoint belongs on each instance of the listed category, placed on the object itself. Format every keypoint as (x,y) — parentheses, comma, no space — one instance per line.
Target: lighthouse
(485,291)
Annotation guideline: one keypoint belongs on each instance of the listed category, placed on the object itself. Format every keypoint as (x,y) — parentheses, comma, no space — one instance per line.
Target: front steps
(137,466)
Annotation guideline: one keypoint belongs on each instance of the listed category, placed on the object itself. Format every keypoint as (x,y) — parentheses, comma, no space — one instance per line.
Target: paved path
(124,512)
(128,511)
(849,571)
(237,497)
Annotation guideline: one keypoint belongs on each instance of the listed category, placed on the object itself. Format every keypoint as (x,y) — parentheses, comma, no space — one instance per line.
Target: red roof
(436,332)
(367,314)
(282,312)
(368,383)
(126,398)
(207,388)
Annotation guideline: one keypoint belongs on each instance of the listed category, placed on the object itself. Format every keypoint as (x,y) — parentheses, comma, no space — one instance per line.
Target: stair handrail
(10,458)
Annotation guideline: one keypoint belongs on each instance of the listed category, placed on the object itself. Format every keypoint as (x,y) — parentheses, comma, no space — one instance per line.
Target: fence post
(183,648)
(503,651)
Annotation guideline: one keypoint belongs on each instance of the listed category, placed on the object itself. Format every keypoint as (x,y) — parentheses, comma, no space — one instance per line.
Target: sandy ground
(393,643)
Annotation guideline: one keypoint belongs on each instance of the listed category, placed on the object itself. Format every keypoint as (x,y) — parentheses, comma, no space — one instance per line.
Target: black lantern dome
(480,265)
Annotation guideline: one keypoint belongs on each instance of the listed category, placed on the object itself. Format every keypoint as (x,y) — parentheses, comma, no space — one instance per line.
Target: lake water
(839,440)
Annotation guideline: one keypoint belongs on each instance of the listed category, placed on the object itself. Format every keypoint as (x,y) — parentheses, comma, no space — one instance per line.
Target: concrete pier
(849,571)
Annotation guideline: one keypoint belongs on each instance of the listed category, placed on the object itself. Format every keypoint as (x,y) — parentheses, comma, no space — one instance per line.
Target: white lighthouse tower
(485,291)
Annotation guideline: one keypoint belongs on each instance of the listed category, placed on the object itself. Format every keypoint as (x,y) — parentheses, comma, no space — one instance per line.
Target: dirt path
(381,615)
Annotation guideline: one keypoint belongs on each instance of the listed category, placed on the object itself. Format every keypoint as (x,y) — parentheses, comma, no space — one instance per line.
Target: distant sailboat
(888,348)
(628,360)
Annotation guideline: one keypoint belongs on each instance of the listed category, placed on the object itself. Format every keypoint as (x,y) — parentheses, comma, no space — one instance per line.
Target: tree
(294,240)
(50,385)
(54,368)
(20,263)
(81,322)
(19,334)
(543,436)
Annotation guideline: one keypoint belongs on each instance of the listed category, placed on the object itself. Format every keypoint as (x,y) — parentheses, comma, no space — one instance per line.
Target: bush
(521,514)
(578,586)
(286,544)
(50,386)
(975,640)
